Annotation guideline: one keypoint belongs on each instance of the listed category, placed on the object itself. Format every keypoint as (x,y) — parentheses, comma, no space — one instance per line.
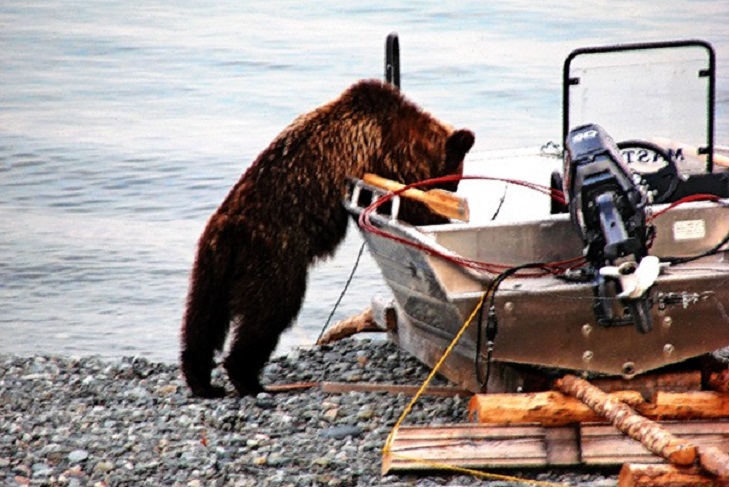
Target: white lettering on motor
(587,134)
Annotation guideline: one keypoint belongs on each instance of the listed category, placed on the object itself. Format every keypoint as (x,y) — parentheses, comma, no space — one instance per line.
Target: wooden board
(494,446)
(408,390)
(468,446)
(600,443)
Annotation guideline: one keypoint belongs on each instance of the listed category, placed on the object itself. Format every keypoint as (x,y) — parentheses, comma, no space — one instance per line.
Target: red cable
(551,268)
(687,199)
(493,268)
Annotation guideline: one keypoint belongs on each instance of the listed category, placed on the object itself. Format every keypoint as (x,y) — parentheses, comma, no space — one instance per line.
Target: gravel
(69,421)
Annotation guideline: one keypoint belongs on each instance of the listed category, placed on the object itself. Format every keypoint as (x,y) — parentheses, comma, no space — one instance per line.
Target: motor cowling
(604,201)
(608,209)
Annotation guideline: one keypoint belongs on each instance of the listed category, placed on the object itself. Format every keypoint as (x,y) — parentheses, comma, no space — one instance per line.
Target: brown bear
(286,212)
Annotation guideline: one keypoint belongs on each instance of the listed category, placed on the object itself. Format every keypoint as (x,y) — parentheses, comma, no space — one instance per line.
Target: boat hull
(547,322)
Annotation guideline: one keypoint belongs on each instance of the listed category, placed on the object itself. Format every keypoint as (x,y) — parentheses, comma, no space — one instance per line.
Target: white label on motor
(689,230)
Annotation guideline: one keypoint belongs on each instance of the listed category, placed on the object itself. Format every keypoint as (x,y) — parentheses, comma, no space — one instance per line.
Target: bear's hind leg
(197,373)
(260,321)
(205,328)
(246,358)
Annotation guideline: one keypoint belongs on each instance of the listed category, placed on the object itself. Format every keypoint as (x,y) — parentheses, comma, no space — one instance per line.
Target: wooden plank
(483,446)
(465,446)
(292,387)
(600,442)
(665,475)
(553,408)
(346,387)
(408,390)
(563,446)
(715,460)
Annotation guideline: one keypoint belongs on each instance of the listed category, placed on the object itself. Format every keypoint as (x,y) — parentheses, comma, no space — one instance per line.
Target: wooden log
(649,433)
(554,408)
(360,323)
(719,381)
(689,405)
(551,408)
(440,201)
(664,475)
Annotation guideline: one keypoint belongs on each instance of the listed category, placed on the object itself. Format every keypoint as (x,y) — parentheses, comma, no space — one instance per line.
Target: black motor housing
(604,201)
(609,210)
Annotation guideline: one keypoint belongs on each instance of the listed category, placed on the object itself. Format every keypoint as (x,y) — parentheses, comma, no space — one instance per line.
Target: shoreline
(102,422)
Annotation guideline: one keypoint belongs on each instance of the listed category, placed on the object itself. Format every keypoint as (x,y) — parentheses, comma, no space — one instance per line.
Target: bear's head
(387,134)
(457,145)
(415,146)
(437,160)
(395,138)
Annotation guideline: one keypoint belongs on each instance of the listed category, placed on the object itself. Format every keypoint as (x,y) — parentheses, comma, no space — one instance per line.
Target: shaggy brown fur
(285,213)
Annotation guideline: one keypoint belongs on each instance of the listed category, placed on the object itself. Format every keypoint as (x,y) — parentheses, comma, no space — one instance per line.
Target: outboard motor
(609,210)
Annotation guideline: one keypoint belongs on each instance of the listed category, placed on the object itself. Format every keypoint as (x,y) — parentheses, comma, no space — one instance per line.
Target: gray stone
(341,432)
(77,456)
(104,466)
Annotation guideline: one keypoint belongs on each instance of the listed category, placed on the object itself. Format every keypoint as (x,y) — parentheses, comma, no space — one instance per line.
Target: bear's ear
(457,145)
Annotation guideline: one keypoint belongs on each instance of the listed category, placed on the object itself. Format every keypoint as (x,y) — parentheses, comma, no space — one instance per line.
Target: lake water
(124,124)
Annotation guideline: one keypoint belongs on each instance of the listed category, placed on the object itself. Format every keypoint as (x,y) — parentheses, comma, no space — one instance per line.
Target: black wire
(479,334)
(344,291)
(501,203)
(510,272)
(492,319)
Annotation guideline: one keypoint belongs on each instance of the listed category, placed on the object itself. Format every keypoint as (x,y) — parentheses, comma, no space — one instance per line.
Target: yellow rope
(409,407)
(387,449)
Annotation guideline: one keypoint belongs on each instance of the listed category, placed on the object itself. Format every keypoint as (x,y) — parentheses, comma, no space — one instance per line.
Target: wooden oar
(440,201)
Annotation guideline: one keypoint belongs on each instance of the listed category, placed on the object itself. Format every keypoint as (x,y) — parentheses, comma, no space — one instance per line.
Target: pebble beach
(69,421)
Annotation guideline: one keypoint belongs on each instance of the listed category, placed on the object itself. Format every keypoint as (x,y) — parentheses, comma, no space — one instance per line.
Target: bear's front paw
(250,387)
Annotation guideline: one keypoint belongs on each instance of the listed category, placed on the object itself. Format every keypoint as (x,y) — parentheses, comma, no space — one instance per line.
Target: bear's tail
(207,316)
